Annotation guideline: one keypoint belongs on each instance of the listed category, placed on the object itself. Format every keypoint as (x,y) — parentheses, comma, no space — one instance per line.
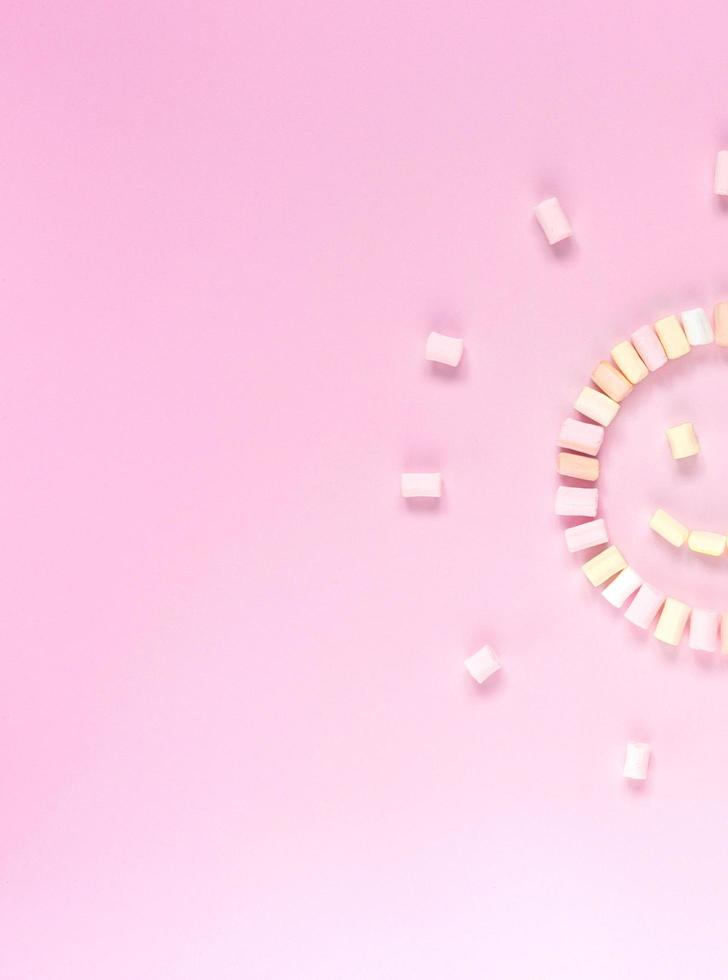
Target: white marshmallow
(421,484)
(622,587)
(482,664)
(697,326)
(445,350)
(577,501)
(637,760)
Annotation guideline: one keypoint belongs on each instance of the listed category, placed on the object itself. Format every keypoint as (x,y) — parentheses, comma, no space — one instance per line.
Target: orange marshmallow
(578,467)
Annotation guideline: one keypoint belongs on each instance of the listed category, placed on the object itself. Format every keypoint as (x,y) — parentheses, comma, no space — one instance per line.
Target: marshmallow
(578,467)
(581,436)
(649,347)
(672,621)
(445,350)
(604,565)
(703,630)
(720,180)
(421,485)
(577,501)
(586,535)
(724,633)
(482,664)
(668,528)
(553,221)
(698,328)
(720,321)
(622,587)
(611,381)
(636,760)
(596,406)
(707,543)
(644,607)
(629,362)
(672,337)
(683,441)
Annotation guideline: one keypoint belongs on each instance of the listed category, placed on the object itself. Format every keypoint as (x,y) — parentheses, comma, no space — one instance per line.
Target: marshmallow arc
(444,350)
(596,406)
(648,346)
(697,326)
(672,337)
(482,664)
(612,382)
(587,535)
(668,528)
(703,630)
(629,362)
(637,760)
(421,484)
(554,223)
(604,565)
(672,622)
(577,501)
(581,436)
(644,607)
(622,587)
(578,467)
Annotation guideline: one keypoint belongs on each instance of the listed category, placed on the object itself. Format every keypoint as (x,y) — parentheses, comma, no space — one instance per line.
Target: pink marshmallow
(446,350)
(644,607)
(553,221)
(586,535)
(703,630)
(649,348)
(583,437)
(577,501)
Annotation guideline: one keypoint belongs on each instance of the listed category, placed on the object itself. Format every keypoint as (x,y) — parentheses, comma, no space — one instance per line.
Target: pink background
(237,738)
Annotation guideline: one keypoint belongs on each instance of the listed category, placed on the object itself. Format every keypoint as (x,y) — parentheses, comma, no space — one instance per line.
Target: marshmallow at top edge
(581,436)
(703,630)
(586,535)
(720,322)
(644,607)
(629,362)
(482,664)
(672,337)
(720,178)
(577,501)
(421,484)
(698,328)
(637,760)
(554,223)
(672,622)
(596,406)
(648,346)
(622,587)
(444,350)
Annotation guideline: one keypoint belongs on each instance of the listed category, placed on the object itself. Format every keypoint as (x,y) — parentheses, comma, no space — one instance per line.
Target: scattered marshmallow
(629,362)
(596,406)
(644,607)
(720,322)
(668,528)
(553,221)
(707,543)
(586,535)
(611,381)
(637,760)
(421,484)
(672,622)
(482,664)
(703,630)
(622,587)
(578,467)
(672,337)
(720,180)
(683,441)
(649,348)
(698,328)
(444,350)
(581,436)
(604,565)
(577,501)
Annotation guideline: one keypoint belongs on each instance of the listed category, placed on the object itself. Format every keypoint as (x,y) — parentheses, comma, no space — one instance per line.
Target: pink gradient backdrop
(237,740)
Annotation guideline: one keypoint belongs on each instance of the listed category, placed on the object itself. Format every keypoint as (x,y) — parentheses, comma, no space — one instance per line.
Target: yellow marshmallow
(672,337)
(707,543)
(629,362)
(683,441)
(672,622)
(669,529)
(604,565)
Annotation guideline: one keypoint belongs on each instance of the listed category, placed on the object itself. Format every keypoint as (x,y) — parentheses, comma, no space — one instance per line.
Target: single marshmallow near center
(554,223)
(482,664)
(421,484)
(636,760)
(444,350)
(683,440)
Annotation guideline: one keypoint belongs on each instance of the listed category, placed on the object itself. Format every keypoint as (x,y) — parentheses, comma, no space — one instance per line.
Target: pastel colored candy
(586,535)
(629,362)
(707,543)
(578,467)
(724,633)
(672,622)
(720,179)
(703,630)
(577,501)
(584,437)
(604,565)
(644,607)
(421,484)
(596,406)
(611,381)
(445,350)
(648,346)
(482,664)
(553,221)
(720,323)
(672,337)
(697,326)
(636,760)
(668,528)
(622,587)
(683,440)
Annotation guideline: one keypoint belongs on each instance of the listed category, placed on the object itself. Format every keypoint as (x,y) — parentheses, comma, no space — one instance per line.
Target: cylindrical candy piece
(629,362)
(604,565)
(445,350)
(668,528)
(707,543)
(611,381)
(577,501)
(553,221)
(644,607)
(698,328)
(636,760)
(720,179)
(683,440)
(649,348)
(720,322)
(622,587)
(584,437)
(421,484)
(482,664)
(596,406)
(672,337)
(578,467)
(703,630)
(672,622)
(587,535)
